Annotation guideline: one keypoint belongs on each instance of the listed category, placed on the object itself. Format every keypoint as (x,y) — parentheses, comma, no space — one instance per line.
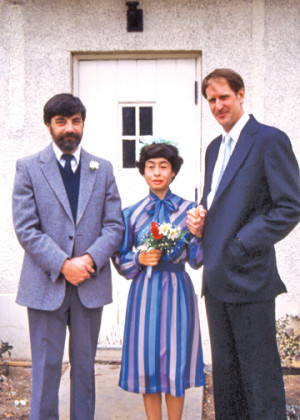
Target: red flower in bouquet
(163,237)
(155,231)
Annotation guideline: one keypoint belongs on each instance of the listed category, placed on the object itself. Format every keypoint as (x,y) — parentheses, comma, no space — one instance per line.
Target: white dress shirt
(74,162)
(234,134)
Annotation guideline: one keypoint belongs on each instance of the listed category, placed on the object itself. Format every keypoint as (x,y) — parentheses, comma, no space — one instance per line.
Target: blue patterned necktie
(68,158)
(226,157)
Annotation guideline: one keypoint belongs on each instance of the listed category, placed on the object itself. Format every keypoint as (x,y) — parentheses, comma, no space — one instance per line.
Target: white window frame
(137,138)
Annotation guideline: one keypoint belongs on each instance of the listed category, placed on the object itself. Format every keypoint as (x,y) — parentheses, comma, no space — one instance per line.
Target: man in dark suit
(252,197)
(67,217)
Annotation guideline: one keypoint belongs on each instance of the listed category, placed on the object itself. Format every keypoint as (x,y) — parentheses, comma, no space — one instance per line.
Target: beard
(66,142)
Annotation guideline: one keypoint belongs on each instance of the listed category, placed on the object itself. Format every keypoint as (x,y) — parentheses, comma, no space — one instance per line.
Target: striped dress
(162,344)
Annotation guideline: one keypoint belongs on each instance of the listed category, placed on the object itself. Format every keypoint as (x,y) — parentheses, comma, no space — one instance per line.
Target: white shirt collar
(59,153)
(237,128)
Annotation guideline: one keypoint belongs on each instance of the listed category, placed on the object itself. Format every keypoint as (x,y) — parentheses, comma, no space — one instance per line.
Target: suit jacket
(256,205)
(46,230)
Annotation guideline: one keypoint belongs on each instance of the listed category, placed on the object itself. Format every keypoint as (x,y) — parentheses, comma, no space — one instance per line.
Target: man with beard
(67,217)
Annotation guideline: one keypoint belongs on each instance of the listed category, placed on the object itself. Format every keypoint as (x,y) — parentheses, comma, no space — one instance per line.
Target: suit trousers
(47,337)
(247,375)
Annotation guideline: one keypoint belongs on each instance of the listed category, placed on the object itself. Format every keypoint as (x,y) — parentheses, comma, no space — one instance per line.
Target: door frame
(153,55)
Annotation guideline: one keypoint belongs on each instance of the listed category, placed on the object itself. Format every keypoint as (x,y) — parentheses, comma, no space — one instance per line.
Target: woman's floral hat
(156,140)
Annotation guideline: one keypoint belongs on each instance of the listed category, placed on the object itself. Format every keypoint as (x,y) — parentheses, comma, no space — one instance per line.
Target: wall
(257,38)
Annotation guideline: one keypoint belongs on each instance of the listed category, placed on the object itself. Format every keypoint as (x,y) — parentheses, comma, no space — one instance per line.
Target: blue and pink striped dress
(162,343)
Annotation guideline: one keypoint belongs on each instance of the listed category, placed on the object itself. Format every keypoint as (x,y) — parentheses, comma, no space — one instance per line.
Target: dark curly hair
(63,104)
(160,150)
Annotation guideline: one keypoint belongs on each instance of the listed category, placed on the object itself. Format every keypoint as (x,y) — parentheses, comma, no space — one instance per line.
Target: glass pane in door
(128,121)
(146,125)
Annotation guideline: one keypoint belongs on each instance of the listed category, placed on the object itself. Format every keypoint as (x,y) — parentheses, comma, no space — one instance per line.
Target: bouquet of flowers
(163,237)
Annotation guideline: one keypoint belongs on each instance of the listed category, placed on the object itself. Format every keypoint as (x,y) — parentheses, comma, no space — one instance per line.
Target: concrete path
(112,403)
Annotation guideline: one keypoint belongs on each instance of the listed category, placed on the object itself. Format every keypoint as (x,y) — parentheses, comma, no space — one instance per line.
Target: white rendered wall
(257,38)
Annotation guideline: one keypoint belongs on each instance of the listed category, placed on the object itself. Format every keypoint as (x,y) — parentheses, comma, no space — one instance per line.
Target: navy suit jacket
(256,205)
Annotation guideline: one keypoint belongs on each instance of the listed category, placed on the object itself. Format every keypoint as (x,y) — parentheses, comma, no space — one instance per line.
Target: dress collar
(155,197)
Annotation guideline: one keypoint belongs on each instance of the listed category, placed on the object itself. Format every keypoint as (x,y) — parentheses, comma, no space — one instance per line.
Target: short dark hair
(233,79)
(160,150)
(63,104)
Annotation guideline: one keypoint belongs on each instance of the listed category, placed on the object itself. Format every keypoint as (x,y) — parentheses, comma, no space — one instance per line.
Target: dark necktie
(68,158)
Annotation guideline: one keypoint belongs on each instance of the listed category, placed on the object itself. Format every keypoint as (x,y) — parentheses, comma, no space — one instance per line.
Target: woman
(162,344)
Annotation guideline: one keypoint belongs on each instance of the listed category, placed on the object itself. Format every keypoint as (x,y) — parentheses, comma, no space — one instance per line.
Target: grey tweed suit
(46,230)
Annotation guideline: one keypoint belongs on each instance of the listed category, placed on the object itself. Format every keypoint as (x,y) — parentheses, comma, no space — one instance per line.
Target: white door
(127,101)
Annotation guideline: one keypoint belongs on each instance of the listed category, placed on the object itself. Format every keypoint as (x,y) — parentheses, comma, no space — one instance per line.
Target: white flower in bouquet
(165,228)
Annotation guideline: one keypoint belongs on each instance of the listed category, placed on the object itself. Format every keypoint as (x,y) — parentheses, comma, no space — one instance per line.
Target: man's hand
(195,220)
(150,258)
(78,269)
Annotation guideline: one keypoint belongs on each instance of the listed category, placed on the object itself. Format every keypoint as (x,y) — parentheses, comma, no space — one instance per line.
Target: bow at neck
(160,209)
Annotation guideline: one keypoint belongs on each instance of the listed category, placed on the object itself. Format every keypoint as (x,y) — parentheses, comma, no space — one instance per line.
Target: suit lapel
(52,174)
(242,148)
(87,181)
(211,158)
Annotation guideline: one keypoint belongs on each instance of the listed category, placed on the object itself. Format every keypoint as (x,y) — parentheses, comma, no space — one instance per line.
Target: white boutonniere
(94,165)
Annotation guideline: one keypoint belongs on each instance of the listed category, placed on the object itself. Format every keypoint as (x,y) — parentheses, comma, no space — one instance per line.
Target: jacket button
(70,237)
